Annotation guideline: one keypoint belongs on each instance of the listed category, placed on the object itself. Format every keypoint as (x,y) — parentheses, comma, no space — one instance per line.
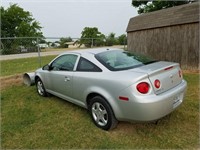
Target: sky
(64,18)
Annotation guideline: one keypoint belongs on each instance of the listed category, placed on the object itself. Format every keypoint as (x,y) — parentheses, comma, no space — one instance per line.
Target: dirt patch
(10,81)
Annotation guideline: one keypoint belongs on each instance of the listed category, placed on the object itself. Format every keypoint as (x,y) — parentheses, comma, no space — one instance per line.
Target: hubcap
(99,114)
(40,88)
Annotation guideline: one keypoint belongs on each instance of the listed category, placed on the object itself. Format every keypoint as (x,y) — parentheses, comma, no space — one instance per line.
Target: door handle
(67,79)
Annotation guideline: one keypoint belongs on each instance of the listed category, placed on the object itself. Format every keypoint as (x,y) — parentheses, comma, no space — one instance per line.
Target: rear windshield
(122,60)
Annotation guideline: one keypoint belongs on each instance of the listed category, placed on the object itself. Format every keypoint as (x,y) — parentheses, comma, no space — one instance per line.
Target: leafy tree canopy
(63,41)
(122,39)
(91,36)
(153,5)
(16,22)
(111,39)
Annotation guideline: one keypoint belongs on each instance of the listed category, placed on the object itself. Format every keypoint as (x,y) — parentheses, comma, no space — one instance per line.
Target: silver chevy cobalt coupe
(114,85)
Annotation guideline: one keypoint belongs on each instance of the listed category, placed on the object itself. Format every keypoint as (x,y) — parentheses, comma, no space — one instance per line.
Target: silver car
(114,85)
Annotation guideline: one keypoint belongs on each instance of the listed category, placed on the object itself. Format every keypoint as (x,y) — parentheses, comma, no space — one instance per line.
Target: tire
(102,114)
(40,88)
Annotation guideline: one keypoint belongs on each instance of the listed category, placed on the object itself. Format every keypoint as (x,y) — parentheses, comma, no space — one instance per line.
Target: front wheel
(40,88)
(102,114)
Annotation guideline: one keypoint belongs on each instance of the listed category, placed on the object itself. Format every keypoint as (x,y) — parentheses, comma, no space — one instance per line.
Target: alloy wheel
(40,88)
(99,114)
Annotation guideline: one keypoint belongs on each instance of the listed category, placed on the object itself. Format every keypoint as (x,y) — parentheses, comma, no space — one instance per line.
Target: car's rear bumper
(151,107)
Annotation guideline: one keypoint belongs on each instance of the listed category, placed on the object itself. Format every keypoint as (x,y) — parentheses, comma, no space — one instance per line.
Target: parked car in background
(113,84)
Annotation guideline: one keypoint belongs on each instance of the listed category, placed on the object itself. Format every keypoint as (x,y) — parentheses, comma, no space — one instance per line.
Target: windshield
(122,60)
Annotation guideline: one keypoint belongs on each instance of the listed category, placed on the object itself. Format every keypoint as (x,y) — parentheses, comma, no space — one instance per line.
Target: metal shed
(170,34)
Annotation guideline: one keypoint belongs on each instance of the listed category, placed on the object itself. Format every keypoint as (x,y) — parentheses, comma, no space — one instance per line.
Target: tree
(122,39)
(111,40)
(100,41)
(63,41)
(149,6)
(90,36)
(16,22)
(43,41)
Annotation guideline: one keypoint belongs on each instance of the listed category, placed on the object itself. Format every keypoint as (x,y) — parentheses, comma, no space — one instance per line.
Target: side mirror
(47,67)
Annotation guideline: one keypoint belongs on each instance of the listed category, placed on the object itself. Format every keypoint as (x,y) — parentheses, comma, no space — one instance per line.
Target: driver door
(61,75)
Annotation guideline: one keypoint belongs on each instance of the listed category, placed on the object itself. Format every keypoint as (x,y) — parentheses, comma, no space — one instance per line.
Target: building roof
(69,43)
(183,14)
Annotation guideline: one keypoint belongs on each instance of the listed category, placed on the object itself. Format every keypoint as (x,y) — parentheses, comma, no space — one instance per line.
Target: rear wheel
(40,88)
(102,114)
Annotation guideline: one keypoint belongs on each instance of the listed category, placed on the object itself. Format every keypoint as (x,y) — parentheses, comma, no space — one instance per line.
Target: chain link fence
(38,47)
(17,45)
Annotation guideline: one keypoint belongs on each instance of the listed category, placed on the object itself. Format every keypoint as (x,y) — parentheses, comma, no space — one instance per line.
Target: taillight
(143,87)
(180,73)
(157,83)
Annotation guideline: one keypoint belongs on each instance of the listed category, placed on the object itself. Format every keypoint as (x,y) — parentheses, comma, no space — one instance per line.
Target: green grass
(17,66)
(29,121)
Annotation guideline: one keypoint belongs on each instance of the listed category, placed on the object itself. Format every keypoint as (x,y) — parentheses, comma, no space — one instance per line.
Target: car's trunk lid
(167,73)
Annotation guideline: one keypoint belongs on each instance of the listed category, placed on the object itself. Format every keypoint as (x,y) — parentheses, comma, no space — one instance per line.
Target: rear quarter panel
(107,84)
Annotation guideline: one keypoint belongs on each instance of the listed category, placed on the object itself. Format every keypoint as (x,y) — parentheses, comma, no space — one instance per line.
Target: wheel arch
(108,98)
(36,78)
(92,95)
(39,75)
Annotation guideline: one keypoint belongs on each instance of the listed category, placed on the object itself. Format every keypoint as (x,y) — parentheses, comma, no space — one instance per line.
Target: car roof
(91,50)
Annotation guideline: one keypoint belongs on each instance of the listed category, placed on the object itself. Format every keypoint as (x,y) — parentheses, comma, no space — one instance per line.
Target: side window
(64,63)
(86,66)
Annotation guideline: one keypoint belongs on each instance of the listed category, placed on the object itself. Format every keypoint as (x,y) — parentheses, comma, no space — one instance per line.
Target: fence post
(92,43)
(39,57)
(124,43)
